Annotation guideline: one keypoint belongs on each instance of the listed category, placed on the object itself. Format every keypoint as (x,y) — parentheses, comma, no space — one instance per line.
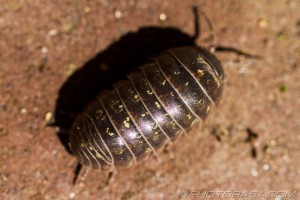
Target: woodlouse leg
(76,172)
(111,177)
(80,173)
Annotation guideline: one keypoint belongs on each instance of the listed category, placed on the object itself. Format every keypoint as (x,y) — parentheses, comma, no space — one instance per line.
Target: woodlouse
(153,107)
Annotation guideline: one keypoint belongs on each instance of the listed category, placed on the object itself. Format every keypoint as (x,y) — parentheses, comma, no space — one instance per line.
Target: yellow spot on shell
(189,116)
(200,59)
(157,105)
(201,101)
(186,84)
(200,72)
(154,126)
(208,107)
(111,134)
(209,70)
(98,155)
(149,92)
(125,122)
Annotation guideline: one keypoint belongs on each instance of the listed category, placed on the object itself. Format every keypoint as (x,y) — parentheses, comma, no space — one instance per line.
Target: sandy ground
(56,55)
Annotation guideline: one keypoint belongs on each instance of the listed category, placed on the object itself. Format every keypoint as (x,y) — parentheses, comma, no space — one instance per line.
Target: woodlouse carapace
(151,108)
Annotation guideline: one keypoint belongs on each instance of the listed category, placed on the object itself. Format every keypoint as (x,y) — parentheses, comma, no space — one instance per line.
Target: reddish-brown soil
(44,48)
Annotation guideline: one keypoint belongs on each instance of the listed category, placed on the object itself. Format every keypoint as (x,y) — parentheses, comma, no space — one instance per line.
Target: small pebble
(52,32)
(118,14)
(72,195)
(254,172)
(54,152)
(69,69)
(243,70)
(44,50)
(69,27)
(162,17)
(87,9)
(266,167)
(48,116)
(273,143)
(23,110)
(262,23)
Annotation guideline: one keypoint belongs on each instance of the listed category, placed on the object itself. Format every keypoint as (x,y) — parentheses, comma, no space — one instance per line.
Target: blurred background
(55,56)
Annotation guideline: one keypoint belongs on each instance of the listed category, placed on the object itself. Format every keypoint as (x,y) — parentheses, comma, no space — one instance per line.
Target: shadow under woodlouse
(108,66)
